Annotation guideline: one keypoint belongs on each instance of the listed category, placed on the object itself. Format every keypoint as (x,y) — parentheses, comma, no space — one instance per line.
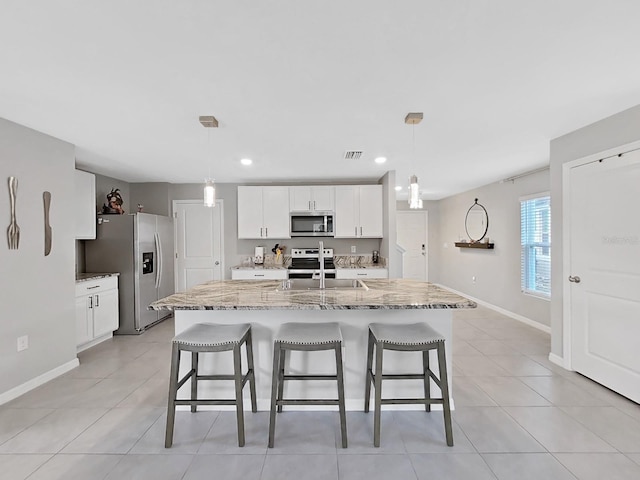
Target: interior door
(605,272)
(412,237)
(198,241)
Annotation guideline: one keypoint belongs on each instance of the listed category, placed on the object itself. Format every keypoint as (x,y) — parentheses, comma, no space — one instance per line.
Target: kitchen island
(266,305)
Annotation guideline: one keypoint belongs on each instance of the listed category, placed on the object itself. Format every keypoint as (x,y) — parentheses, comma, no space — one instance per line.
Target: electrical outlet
(353,249)
(23,342)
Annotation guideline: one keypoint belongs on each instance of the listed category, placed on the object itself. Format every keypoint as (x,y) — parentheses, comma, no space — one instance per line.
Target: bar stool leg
(378,395)
(281,378)
(341,406)
(237,374)
(368,379)
(274,392)
(427,380)
(173,393)
(252,376)
(194,379)
(444,388)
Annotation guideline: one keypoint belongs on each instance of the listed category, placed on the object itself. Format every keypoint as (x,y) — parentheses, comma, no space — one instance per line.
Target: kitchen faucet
(321,258)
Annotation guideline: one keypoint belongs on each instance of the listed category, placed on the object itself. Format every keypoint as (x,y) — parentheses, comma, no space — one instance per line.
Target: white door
(412,236)
(300,199)
(198,243)
(605,256)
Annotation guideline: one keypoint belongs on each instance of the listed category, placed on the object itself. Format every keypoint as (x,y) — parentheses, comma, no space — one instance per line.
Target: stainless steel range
(305,263)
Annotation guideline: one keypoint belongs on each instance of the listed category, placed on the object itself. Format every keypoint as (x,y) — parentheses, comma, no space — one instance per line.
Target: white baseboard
(94,342)
(556,360)
(515,316)
(39,380)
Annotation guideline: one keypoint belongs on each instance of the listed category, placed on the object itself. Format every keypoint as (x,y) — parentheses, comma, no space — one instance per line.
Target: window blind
(535,235)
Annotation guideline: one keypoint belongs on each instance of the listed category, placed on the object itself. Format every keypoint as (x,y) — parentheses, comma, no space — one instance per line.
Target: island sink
(298,284)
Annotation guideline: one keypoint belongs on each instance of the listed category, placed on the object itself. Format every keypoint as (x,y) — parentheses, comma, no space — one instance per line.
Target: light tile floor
(517,417)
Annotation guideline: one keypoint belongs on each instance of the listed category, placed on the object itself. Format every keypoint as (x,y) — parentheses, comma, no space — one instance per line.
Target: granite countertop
(369,266)
(259,267)
(262,295)
(85,277)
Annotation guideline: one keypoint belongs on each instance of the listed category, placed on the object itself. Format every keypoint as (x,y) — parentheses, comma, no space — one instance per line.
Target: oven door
(315,225)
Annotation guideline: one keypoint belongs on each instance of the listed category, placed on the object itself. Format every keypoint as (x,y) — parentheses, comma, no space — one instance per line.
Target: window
(535,241)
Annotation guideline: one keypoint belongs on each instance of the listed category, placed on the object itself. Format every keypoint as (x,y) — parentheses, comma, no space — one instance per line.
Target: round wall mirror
(476,223)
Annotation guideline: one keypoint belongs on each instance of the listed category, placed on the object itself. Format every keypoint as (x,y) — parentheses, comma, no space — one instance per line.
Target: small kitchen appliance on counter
(375,256)
(258,256)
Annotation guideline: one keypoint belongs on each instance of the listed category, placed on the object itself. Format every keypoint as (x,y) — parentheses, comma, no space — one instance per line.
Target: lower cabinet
(269,274)
(96,311)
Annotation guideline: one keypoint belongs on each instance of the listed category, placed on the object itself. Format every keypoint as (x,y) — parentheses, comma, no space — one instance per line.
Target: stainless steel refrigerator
(139,246)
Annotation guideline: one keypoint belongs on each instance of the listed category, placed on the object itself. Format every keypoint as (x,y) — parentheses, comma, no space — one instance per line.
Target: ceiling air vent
(353,154)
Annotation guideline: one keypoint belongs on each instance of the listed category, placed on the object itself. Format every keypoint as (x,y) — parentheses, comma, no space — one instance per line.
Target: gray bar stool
(209,337)
(306,336)
(416,337)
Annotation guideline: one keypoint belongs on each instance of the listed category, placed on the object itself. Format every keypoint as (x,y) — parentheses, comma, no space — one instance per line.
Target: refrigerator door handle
(156,237)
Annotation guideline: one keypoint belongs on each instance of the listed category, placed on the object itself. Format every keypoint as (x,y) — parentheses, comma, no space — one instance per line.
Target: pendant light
(209,184)
(414,189)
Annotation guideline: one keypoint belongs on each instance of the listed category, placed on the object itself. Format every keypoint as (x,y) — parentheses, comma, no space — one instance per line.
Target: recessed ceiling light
(380,159)
(246,161)
(398,188)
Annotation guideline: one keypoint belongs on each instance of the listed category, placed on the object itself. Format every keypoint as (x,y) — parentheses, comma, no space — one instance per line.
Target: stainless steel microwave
(312,224)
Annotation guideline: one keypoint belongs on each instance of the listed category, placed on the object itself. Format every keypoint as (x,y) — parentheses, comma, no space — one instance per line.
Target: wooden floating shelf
(484,246)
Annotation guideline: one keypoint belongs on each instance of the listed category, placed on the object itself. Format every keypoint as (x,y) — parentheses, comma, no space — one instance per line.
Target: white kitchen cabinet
(263,212)
(311,199)
(358,211)
(85,205)
(361,273)
(260,274)
(96,311)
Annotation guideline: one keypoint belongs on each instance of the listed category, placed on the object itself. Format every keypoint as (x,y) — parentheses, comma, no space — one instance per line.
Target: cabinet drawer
(361,273)
(96,286)
(259,274)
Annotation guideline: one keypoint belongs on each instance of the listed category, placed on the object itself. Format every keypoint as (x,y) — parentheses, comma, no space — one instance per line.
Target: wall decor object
(48,233)
(114,203)
(476,224)
(13,232)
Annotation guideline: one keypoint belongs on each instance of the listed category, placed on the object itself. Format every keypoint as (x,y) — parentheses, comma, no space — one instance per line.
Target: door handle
(217,262)
(573,279)
(90,301)
(97,300)
(261,232)
(266,231)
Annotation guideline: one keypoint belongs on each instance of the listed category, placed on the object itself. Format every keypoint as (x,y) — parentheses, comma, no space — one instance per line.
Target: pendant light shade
(209,193)
(209,121)
(414,193)
(414,189)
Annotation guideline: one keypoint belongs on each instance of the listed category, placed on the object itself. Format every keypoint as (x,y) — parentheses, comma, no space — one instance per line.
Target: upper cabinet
(358,211)
(85,205)
(263,212)
(311,199)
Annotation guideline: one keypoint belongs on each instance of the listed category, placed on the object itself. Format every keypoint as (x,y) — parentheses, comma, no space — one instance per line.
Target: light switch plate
(23,342)
(353,249)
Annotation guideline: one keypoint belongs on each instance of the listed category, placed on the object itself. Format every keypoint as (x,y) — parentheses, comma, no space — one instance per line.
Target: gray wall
(37,293)
(615,131)
(154,197)
(497,271)
(389,228)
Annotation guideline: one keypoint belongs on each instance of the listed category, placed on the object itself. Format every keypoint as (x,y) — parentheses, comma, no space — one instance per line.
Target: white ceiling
(296,83)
